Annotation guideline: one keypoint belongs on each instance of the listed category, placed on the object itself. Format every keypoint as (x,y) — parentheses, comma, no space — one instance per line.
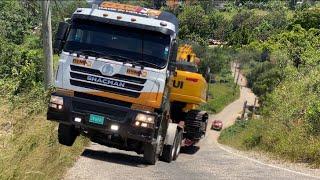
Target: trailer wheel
(169,151)
(150,154)
(178,145)
(67,134)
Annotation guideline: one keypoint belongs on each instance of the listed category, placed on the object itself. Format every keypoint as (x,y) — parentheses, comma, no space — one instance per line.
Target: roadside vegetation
(277,46)
(220,95)
(29,148)
(278,49)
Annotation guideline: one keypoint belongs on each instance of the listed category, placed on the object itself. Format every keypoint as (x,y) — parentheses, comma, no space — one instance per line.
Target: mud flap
(171,133)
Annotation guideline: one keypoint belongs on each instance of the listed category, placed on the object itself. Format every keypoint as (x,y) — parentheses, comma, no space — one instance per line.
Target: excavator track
(195,124)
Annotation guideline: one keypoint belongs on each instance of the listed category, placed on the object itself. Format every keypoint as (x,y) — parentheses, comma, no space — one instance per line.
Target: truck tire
(178,145)
(169,151)
(196,124)
(150,154)
(67,134)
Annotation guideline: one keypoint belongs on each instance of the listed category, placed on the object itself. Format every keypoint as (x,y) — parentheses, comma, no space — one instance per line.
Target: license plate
(96,119)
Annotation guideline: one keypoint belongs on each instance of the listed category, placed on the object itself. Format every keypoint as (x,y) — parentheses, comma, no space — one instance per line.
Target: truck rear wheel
(150,154)
(169,151)
(67,134)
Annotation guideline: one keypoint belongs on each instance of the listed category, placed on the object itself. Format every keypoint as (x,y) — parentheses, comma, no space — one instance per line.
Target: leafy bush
(218,26)
(21,66)
(263,78)
(308,18)
(15,21)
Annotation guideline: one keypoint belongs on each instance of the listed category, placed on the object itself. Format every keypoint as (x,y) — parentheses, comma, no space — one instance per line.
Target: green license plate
(96,119)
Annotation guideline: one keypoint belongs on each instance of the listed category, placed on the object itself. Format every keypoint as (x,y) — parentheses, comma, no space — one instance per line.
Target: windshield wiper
(139,63)
(88,52)
(96,54)
(148,63)
(126,60)
(122,59)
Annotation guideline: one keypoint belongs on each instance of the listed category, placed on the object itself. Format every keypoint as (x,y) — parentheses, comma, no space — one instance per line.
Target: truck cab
(112,81)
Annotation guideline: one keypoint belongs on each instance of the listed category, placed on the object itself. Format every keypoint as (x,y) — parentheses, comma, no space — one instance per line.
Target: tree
(193,20)
(218,25)
(15,22)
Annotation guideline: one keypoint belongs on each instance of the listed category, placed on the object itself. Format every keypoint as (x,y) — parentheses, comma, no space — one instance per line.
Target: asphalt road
(209,161)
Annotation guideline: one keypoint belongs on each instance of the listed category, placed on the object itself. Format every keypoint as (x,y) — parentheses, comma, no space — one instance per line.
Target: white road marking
(265,164)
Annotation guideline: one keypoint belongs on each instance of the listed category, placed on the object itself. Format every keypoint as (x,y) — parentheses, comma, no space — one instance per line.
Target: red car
(217,125)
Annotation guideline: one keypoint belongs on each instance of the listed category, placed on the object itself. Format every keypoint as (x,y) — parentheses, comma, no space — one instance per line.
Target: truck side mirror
(60,37)
(173,56)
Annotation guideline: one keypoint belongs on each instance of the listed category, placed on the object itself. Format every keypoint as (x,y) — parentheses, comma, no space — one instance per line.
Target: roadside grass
(29,148)
(294,145)
(220,95)
(242,135)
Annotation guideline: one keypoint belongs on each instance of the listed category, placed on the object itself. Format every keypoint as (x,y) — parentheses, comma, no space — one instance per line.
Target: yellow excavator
(188,92)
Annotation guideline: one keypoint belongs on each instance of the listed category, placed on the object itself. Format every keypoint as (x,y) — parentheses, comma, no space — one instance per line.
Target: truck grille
(112,113)
(93,79)
(104,88)
(102,99)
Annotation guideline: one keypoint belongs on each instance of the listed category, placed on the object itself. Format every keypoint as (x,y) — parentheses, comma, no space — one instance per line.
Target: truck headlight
(56,102)
(144,120)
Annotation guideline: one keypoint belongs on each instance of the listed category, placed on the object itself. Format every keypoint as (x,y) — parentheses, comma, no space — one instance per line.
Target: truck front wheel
(150,154)
(67,134)
(169,151)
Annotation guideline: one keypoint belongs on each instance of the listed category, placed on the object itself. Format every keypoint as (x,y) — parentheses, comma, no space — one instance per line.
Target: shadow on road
(113,157)
(190,150)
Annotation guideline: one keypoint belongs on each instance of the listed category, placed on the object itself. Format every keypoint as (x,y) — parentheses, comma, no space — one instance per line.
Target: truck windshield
(131,45)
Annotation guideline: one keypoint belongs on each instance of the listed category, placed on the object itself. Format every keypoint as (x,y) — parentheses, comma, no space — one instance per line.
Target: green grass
(275,139)
(220,95)
(29,148)
(242,135)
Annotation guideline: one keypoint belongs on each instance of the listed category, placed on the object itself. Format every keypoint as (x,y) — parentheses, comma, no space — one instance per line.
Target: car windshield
(124,44)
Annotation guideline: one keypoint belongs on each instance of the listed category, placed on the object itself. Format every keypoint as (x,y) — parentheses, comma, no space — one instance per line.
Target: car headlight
(56,102)
(144,120)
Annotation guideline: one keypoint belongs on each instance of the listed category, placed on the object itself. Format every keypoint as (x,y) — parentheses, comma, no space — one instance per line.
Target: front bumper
(123,117)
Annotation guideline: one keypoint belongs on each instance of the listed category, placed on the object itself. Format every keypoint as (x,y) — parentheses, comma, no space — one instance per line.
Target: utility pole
(235,70)
(244,109)
(254,107)
(236,84)
(238,77)
(47,42)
